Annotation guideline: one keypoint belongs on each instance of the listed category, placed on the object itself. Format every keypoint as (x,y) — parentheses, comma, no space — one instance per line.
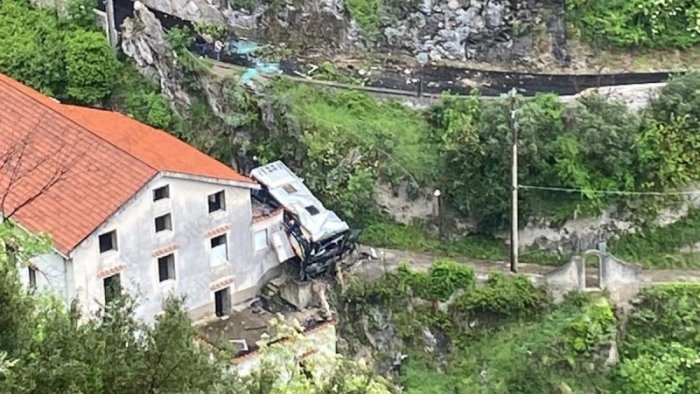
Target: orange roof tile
(154,147)
(93,160)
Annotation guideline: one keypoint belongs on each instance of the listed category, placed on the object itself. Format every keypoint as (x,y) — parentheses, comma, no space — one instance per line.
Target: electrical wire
(615,192)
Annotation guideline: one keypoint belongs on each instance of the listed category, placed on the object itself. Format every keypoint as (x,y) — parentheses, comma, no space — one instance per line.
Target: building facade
(135,210)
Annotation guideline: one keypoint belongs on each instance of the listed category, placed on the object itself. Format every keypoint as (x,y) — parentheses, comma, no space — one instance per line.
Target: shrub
(503,297)
(441,281)
(637,23)
(366,13)
(80,13)
(91,66)
(66,62)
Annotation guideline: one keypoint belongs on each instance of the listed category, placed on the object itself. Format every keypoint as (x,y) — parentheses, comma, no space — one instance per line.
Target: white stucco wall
(50,275)
(193,226)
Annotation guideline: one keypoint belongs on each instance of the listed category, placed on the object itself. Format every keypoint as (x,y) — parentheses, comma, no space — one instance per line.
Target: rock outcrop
(143,40)
(307,23)
(484,30)
(502,31)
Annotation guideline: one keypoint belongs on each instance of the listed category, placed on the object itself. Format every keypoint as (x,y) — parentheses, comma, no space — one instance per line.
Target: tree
(32,46)
(25,175)
(53,55)
(117,354)
(91,66)
(80,13)
(16,308)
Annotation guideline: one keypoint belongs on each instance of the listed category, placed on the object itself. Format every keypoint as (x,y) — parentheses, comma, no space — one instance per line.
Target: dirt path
(389,259)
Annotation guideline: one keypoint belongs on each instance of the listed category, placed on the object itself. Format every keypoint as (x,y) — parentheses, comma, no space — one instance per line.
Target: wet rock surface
(395,74)
(504,31)
(143,40)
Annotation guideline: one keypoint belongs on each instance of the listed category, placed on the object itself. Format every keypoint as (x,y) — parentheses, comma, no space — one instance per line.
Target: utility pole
(111,28)
(514,184)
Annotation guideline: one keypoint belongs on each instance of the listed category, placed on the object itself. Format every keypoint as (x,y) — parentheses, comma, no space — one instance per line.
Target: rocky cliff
(503,31)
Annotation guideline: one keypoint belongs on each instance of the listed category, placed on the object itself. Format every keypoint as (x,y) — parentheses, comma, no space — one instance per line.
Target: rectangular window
(113,288)
(312,210)
(32,277)
(260,240)
(108,241)
(166,267)
(289,188)
(161,193)
(219,249)
(163,223)
(216,202)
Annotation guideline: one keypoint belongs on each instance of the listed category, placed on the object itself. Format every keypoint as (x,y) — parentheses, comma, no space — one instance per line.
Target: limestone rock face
(309,23)
(497,31)
(143,39)
(483,30)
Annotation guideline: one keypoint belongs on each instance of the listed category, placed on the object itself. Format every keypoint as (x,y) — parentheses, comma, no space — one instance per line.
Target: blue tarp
(247,48)
(243,47)
(264,68)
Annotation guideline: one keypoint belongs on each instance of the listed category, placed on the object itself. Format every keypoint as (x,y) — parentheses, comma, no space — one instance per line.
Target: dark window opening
(222,302)
(220,240)
(161,193)
(312,210)
(289,188)
(32,277)
(108,241)
(219,249)
(113,288)
(163,223)
(216,202)
(166,267)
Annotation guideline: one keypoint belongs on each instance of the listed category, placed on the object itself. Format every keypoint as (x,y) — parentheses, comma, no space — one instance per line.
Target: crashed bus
(318,237)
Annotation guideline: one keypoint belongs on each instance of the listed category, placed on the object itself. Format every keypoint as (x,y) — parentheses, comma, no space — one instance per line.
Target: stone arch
(592,278)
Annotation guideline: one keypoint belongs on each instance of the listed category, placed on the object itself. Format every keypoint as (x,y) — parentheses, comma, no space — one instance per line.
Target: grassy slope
(398,130)
(661,247)
(522,354)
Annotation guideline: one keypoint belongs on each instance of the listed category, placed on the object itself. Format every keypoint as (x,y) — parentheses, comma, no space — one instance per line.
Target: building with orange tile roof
(128,207)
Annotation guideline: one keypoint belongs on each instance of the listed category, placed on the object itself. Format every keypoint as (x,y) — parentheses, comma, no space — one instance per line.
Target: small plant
(367,14)
(214,31)
(503,297)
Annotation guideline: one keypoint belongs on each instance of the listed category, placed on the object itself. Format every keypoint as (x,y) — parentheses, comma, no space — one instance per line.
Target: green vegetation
(559,349)
(660,247)
(504,336)
(45,348)
(367,13)
(585,148)
(91,67)
(327,71)
(637,23)
(661,350)
(53,55)
(344,142)
(420,239)
(80,13)
(137,96)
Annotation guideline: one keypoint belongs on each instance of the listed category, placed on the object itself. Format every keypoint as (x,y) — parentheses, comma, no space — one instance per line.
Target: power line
(614,192)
